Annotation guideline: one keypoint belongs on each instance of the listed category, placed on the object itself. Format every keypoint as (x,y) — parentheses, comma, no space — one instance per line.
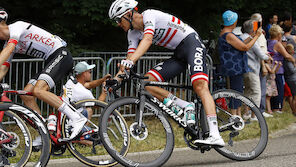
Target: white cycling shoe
(77,126)
(216,141)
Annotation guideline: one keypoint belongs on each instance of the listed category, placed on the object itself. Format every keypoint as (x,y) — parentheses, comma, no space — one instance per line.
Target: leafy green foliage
(85,23)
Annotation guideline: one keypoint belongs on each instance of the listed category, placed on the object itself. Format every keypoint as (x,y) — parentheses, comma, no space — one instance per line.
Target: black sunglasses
(117,20)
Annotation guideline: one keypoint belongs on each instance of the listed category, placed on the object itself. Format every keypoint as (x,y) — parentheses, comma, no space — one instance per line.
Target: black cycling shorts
(57,66)
(190,53)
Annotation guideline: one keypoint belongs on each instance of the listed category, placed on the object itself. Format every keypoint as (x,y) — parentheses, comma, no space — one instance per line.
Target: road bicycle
(152,136)
(86,147)
(15,140)
(33,121)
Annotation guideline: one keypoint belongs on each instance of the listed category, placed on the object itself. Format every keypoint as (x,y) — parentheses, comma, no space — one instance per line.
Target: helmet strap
(131,20)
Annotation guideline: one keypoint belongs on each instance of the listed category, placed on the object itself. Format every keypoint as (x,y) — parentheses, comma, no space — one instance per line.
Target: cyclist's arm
(95,83)
(3,71)
(143,47)
(4,55)
(6,52)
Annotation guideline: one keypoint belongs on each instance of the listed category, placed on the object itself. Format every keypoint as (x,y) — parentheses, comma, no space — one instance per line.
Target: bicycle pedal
(204,148)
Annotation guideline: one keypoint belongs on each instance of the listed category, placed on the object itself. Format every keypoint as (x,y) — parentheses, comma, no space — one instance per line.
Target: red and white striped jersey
(32,40)
(167,30)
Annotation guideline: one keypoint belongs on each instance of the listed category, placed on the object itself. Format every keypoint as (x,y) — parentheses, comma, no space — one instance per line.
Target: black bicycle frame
(200,113)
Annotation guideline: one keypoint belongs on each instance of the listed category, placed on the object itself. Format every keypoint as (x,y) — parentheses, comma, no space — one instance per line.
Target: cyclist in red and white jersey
(27,39)
(162,29)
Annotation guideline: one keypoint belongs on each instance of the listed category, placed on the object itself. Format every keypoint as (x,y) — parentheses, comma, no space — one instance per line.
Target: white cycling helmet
(121,7)
(3,14)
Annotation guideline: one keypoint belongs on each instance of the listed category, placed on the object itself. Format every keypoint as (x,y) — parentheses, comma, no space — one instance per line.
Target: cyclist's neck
(138,22)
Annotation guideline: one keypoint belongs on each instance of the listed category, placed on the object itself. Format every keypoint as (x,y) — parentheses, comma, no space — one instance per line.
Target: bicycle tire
(154,121)
(90,157)
(250,130)
(33,119)
(19,127)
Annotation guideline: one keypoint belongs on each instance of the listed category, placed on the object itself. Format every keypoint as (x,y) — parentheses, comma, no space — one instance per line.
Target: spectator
(271,88)
(287,28)
(277,50)
(263,72)
(294,28)
(290,76)
(273,19)
(255,55)
(232,51)
(80,85)
(287,94)
(77,89)
(287,17)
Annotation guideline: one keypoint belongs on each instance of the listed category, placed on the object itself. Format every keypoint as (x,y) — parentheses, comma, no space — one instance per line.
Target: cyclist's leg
(194,52)
(30,101)
(56,69)
(164,71)
(157,92)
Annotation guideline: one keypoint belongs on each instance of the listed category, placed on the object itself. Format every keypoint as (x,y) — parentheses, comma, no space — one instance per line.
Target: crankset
(189,141)
(138,133)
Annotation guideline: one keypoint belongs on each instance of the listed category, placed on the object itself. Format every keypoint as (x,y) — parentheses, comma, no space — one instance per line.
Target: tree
(85,24)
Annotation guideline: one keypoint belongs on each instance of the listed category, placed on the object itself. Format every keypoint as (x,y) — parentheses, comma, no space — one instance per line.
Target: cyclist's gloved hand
(126,64)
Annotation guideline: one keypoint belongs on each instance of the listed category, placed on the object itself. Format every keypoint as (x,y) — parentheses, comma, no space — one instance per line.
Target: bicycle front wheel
(152,142)
(89,149)
(245,136)
(35,123)
(16,140)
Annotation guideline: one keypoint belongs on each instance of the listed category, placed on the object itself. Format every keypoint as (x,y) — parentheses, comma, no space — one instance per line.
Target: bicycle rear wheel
(151,145)
(245,139)
(90,151)
(17,151)
(39,157)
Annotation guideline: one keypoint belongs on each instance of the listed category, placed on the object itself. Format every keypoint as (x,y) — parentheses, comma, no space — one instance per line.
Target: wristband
(12,41)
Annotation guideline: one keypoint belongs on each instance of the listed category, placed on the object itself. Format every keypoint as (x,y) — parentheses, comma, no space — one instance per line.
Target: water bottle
(173,106)
(52,123)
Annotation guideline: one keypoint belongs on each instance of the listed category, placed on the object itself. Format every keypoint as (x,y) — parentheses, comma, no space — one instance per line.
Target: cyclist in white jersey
(27,39)
(162,29)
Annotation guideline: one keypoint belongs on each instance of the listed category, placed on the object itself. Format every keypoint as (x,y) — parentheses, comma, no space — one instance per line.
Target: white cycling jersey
(167,30)
(74,92)
(33,41)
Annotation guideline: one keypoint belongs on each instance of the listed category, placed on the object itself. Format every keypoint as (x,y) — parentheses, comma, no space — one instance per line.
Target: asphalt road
(280,152)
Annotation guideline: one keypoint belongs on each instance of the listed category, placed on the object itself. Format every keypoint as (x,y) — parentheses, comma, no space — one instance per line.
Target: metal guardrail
(146,63)
(21,70)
